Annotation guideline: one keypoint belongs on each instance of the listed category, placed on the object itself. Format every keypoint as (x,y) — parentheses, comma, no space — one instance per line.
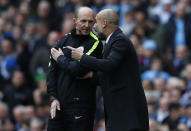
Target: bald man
(72,93)
(124,99)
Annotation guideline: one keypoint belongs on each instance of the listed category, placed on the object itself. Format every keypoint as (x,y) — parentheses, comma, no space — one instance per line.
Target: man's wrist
(59,57)
(52,98)
(80,57)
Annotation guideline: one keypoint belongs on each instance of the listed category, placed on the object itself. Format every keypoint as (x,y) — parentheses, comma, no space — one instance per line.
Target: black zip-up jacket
(64,76)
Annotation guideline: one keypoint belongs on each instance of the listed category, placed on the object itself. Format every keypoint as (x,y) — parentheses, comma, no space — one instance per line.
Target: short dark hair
(173,106)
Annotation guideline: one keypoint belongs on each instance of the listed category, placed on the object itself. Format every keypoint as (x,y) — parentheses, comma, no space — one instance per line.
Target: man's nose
(87,24)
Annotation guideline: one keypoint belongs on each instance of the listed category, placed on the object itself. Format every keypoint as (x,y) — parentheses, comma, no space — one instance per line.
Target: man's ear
(74,20)
(104,23)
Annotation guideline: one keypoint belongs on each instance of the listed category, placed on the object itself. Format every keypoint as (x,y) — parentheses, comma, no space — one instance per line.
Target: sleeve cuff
(82,58)
(60,58)
(52,98)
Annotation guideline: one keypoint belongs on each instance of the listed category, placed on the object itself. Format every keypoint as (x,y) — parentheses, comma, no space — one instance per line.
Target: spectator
(149,53)
(175,94)
(154,8)
(40,59)
(188,75)
(186,120)
(159,84)
(174,116)
(182,127)
(97,5)
(30,112)
(155,72)
(19,114)
(166,11)
(17,33)
(179,28)
(67,26)
(19,19)
(8,61)
(25,9)
(39,94)
(181,58)
(17,91)
(129,23)
(140,15)
(5,123)
(36,125)
(45,14)
(162,112)
(137,43)
(2,29)
(30,35)
(172,83)
(42,34)
(23,58)
(125,7)
(112,4)
(4,5)
(153,125)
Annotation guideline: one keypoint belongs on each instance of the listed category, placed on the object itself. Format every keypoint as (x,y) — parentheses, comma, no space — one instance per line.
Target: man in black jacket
(73,96)
(124,99)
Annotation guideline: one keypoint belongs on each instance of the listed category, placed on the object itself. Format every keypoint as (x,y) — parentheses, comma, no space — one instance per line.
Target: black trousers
(72,120)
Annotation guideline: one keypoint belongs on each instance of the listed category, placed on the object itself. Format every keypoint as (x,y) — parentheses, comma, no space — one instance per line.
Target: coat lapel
(110,42)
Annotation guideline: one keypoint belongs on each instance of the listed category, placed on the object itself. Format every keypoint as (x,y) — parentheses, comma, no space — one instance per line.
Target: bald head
(106,23)
(83,10)
(110,16)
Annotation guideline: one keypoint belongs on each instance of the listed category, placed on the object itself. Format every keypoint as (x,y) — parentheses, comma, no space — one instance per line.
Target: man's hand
(86,76)
(54,105)
(76,52)
(56,53)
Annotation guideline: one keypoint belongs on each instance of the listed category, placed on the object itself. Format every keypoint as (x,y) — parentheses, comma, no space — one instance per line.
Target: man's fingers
(59,49)
(53,112)
(81,48)
(58,107)
(53,109)
(69,47)
(53,51)
(54,105)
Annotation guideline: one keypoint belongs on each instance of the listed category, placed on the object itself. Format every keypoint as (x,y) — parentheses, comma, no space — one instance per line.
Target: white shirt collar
(107,40)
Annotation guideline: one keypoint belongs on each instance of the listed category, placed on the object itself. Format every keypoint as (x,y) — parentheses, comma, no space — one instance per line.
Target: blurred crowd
(159,29)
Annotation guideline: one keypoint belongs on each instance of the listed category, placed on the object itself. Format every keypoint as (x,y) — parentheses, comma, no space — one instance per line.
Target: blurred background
(159,29)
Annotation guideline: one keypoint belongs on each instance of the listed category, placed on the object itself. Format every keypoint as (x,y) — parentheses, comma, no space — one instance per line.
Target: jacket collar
(82,37)
(112,37)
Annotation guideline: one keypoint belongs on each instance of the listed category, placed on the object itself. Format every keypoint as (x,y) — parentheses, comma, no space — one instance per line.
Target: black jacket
(63,77)
(124,99)
(171,28)
(14,96)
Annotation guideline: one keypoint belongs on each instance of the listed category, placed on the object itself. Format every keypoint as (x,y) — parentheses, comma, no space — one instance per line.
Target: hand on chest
(83,45)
